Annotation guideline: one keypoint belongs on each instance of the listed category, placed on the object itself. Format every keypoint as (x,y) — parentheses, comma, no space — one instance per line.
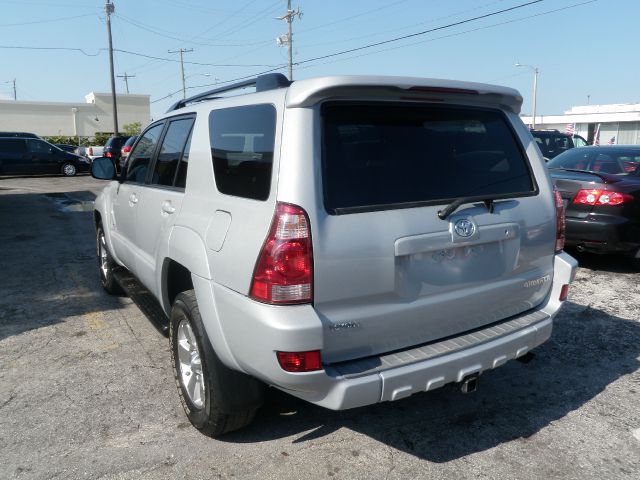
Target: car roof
(304,93)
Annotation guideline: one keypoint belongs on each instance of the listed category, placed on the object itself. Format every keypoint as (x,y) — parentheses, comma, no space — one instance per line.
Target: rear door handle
(133,199)
(167,207)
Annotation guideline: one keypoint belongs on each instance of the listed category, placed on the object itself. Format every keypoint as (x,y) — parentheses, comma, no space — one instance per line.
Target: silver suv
(349,240)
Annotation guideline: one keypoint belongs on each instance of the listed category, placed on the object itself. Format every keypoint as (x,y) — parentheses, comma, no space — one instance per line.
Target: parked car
(24,156)
(65,147)
(112,148)
(600,187)
(19,134)
(126,149)
(349,240)
(94,152)
(554,142)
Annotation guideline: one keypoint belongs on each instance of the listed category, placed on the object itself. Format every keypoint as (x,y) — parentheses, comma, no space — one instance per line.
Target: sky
(584,49)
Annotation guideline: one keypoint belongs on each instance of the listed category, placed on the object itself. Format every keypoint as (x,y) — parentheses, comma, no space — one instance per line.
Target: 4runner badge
(464,227)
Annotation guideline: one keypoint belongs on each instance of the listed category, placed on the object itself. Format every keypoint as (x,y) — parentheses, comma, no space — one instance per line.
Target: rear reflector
(560,221)
(601,197)
(300,361)
(284,270)
(564,293)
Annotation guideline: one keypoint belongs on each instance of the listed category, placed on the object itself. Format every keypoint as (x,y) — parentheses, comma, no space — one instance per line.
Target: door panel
(123,224)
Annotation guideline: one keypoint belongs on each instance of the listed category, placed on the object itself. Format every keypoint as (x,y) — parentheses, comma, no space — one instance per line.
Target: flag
(612,141)
(570,129)
(596,136)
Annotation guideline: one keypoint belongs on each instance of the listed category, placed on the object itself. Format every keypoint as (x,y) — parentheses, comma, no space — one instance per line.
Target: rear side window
(140,157)
(242,142)
(171,149)
(389,156)
(12,146)
(38,146)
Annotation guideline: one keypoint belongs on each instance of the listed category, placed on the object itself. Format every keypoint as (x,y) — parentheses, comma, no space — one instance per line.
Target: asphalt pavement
(87,392)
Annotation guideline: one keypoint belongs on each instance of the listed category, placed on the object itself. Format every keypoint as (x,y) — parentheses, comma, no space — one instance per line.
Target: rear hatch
(389,273)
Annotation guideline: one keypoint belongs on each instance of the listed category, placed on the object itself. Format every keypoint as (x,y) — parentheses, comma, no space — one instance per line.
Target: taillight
(560,222)
(300,361)
(601,197)
(90,151)
(126,149)
(284,270)
(107,154)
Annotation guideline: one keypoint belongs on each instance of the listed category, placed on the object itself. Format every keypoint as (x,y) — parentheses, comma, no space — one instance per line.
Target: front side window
(242,143)
(171,150)
(379,156)
(140,157)
(38,147)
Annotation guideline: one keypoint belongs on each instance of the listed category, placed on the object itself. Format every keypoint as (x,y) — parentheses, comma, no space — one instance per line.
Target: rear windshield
(610,160)
(379,156)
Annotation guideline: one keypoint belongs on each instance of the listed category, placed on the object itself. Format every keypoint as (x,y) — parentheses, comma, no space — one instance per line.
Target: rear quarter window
(242,143)
(379,156)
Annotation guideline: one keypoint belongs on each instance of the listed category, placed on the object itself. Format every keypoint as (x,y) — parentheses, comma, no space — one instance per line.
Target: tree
(132,128)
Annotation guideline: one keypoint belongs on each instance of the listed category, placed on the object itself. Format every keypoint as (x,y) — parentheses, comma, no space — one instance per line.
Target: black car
(23,156)
(126,149)
(600,187)
(65,147)
(113,146)
(554,142)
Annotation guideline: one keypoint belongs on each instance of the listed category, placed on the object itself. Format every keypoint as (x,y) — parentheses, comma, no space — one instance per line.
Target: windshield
(379,156)
(609,160)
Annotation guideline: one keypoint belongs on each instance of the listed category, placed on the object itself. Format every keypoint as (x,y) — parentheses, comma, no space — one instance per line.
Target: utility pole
(126,79)
(109,8)
(182,51)
(287,39)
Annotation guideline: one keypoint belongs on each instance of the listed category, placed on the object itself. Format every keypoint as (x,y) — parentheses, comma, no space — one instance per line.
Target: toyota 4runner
(348,240)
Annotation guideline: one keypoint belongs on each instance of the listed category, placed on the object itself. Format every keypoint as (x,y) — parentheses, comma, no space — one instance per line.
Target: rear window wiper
(453,206)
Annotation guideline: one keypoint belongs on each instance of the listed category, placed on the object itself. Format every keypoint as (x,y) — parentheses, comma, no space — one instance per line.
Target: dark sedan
(600,187)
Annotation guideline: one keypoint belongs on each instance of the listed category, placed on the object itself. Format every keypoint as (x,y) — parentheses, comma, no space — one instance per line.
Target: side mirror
(102,168)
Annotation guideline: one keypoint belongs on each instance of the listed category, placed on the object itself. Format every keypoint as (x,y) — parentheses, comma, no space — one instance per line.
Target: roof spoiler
(269,81)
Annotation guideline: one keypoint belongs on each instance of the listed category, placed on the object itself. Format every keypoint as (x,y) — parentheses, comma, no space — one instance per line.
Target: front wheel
(215,398)
(69,169)
(106,264)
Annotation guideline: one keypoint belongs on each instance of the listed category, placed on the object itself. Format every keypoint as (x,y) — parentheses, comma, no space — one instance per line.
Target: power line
(486,27)
(49,20)
(412,35)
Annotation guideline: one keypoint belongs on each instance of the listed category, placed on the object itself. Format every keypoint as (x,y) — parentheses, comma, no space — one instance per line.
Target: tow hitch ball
(470,383)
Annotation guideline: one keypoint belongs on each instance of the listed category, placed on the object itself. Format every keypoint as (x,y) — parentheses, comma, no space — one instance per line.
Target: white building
(620,122)
(74,119)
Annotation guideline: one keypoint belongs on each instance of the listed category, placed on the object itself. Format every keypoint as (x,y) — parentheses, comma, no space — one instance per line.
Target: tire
(216,399)
(69,169)
(106,264)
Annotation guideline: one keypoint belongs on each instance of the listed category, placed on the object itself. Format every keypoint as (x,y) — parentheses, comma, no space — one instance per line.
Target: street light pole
(535,90)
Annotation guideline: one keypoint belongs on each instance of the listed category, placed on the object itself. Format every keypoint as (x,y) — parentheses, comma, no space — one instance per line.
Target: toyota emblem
(464,227)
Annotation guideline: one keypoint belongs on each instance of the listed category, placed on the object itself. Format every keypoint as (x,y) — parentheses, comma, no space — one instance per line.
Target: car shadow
(589,350)
(48,261)
(43,175)
(612,262)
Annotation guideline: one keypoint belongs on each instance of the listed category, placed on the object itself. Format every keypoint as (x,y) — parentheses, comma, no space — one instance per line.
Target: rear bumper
(603,233)
(253,332)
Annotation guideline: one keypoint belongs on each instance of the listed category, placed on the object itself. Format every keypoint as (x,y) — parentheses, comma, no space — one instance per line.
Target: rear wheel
(106,264)
(69,169)
(215,398)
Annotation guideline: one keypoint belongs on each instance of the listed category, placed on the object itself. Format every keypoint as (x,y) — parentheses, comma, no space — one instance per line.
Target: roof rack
(269,81)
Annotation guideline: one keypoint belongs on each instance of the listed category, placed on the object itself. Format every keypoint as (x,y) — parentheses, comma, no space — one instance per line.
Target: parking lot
(86,388)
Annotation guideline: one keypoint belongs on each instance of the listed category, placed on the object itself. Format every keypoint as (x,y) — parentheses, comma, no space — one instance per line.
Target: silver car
(349,240)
